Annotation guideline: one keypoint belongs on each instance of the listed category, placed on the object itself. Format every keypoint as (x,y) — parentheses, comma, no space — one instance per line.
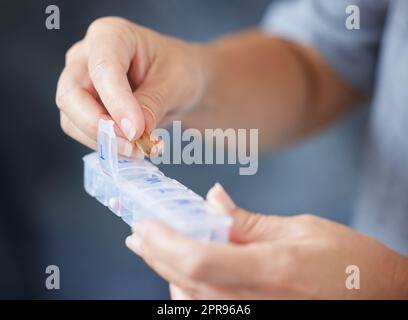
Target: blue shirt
(373,59)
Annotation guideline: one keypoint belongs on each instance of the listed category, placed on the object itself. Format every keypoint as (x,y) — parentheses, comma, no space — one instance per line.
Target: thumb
(155,100)
(247,226)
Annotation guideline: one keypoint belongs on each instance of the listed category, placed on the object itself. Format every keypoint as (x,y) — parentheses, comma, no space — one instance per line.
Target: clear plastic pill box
(137,189)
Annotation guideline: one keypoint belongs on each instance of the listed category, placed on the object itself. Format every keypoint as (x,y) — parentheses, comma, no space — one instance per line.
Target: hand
(130,74)
(271,257)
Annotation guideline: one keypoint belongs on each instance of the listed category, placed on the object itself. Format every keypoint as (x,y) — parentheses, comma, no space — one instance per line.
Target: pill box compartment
(140,191)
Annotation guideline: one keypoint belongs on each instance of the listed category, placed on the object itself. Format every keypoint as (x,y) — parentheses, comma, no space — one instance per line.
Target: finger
(198,261)
(152,102)
(82,108)
(125,148)
(217,293)
(186,287)
(71,130)
(177,293)
(220,200)
(247,227)
(111,50)
(75,52)
(198,290)
(206,293)
(181,287)
(77,98)
(133,242)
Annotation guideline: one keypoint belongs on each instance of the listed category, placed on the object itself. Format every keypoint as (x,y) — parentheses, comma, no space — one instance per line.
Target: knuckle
(73,52)
(65,88)
(98,24)
(284,276)
(287,280)
(196,265)
(251,222)
(306,217)
(98,67)
(102,22)
(307,220)
(117,31)
(61,98)
(59,95)
(300,229)
(63,95)
(114,26)
(64,123)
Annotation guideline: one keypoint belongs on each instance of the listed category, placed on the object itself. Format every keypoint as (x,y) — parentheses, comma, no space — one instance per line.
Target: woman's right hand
(133,75)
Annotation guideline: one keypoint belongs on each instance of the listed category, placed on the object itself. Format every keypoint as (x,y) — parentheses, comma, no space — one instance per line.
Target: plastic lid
(107,147)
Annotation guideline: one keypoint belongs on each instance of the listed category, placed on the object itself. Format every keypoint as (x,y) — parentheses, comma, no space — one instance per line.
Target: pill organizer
(135,189)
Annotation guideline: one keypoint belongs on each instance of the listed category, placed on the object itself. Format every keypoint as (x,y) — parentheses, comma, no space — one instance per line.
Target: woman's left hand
(272,257)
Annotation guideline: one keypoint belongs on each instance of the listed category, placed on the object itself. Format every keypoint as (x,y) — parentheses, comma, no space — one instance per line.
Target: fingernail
(125,147)
(134,243)
(220,199)
(150,118)
(128,129)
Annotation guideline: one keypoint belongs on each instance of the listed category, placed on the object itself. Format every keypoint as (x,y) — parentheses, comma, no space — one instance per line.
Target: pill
(149,145)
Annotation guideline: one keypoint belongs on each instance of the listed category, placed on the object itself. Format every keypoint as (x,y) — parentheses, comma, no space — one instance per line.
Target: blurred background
(45,215)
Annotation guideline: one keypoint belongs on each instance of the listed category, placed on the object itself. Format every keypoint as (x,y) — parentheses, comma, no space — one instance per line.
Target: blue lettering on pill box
(101,152)
(123,161)
(153,180)
(183,202)
(198,210)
